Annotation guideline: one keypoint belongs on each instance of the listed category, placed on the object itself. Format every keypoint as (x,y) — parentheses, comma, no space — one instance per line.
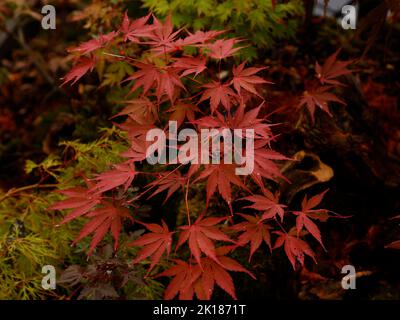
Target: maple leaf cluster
(319,94)
(170,84)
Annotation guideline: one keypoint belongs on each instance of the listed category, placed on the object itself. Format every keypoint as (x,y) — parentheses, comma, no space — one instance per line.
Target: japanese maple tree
(192,78)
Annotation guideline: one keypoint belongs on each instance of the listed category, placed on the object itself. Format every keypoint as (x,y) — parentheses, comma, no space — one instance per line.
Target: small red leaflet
(222,48)
(307,212)
(268,203)
(154,244)
(82,66)
(82,200)
(319,97)
(295,248)
(107,217)
(94,44)
(184,275)
(218,93)
(121,174)
(255,231)
(134,30)
(200,235)
(246,78)
(216,273)
(332,69)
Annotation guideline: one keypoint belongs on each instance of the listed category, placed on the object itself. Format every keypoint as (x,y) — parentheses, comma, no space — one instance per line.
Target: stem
(279,224)
(13,191)
(145,191)
(186,201)
(118,56)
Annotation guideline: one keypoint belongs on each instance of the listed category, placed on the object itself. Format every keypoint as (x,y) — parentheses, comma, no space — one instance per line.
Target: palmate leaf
(184,275)
(121,175)
(94,44)
(80,199)
(107,217)
(82,66)
(162,38)
(200,236)
(217,273)
(218,93)
(295,248)
(220,176)
(165,80)
(182,111)
(240,119)
(246,78)
(254,231)
(171,181)
(319,97)
(268,203)
(190,65)
(307,212)
(194,279)
(332,69)
(154,244)
(134,30)
(223,48)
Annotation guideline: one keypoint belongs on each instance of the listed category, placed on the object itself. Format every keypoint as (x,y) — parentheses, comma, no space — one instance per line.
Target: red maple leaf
(94,44)
(168,81)
(184,276)
(137,128)
(181,111)
(240,119)
(245,78)
(222,48)
(170,181)
(255,231)
(332,69)
(133,30)
(220,176)
(295,248)
(107,217)
(200,235)
(165,80)
(307,211)
(218,93)
(137,150)
(162,38)
(121,174)
(82,66)
(264,165)
(139,108)
(216,273)
(190,65)
(199,37)
(80,199)
(190,279)
(319,97)
(268,203)
(154,244)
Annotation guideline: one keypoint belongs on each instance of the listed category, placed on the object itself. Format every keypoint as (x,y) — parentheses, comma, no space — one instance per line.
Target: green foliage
(255,20)
(28,241)
(30,236)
